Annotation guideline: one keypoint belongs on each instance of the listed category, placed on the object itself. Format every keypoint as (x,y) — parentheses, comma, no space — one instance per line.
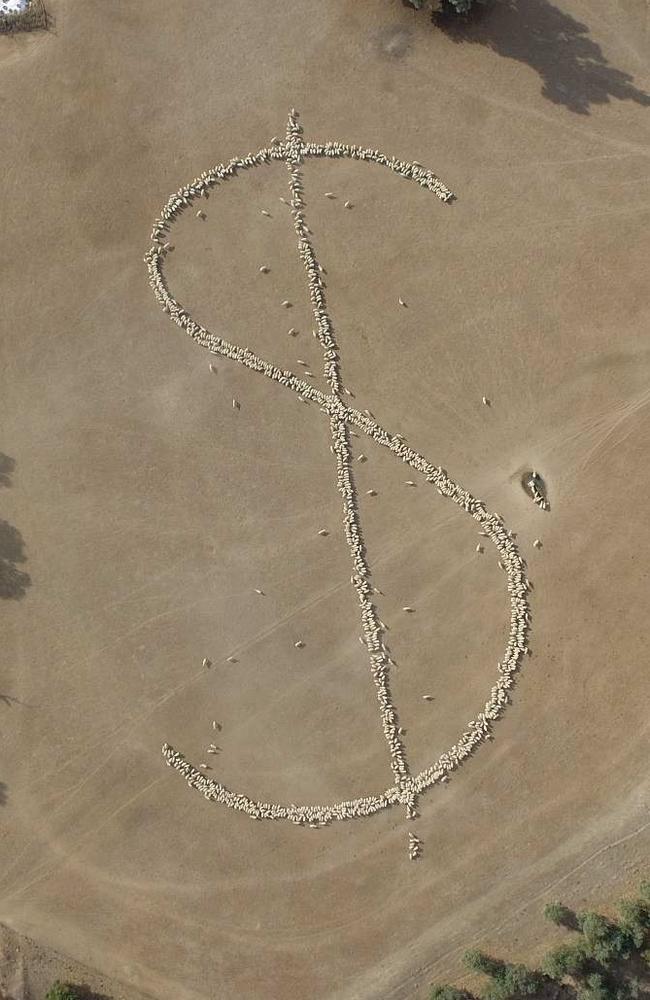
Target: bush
(478,961)
(513,981)
(497,990)
(630,990)
(61,991)
(558,914)
(636,917)
(447,992)
(566,960)
(593,925)
(596,988)
(644,891)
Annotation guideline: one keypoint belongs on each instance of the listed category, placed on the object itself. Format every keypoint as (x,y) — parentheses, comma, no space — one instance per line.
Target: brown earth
(28,970)
(140,511)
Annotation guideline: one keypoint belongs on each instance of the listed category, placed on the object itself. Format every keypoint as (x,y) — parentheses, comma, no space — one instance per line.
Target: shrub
(644,891)
(513,981)
(636,936)
(593,925)
(566,960)
(558,914)
(61,991)
(447,992)
(521,981)
(631,990)
(478,961)
(596,988)
(636,915)
(497,990)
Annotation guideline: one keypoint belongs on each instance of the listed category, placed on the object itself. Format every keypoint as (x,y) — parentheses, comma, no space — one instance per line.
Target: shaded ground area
(13,581)
(560,48)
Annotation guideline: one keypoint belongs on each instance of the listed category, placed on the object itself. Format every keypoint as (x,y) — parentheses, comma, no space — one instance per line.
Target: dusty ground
(28,970)
(140,511)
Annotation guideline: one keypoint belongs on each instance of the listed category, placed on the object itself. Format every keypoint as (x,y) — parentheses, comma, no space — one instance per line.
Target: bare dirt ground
(27,971)
(140,511)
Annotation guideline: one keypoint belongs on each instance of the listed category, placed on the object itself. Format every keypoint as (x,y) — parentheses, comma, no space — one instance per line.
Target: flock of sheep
(405,787)
(13,6)
(22,15)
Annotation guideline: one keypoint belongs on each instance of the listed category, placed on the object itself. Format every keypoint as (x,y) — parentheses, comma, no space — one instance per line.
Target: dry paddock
(139,511)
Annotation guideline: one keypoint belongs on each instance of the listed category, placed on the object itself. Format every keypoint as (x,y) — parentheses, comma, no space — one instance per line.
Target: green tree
(605,940)
(447,992)
(602,941)
(557,913)
(61,991)
(478,961)
(513,981)
(565,960)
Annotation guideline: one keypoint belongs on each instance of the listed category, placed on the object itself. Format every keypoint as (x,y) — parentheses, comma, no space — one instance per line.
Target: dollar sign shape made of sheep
(342,417)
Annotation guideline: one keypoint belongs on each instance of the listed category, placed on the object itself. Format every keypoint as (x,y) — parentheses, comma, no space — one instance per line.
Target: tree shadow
(570,920)
(573,68)
(13,581)
(84,992)
(634,969)
(7,466)
(3,793)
